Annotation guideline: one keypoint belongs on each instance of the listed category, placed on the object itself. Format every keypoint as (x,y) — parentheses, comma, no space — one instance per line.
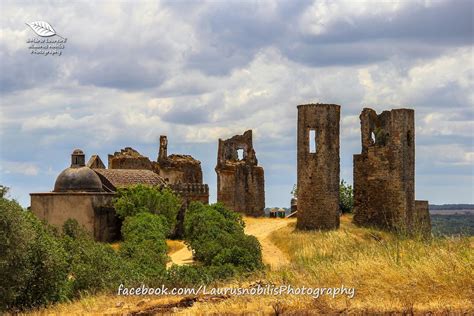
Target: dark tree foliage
(33,265)
(140,198)
(217,237)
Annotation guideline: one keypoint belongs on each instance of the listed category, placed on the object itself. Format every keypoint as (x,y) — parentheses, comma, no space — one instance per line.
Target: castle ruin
(240,181)
(384,173)
(85,192)
(318,166)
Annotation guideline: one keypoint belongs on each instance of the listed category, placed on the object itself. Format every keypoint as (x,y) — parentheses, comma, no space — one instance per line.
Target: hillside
(388,273)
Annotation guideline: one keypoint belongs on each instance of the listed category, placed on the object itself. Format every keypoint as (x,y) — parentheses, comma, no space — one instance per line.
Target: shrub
(93,266)
(210,221)
(245,252)
(33,268)
(191,275)
(144,244)
(72,229)
(346,197)
(142,198)
(217,238)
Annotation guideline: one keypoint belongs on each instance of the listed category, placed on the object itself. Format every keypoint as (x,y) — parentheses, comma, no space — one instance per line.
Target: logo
(45,45)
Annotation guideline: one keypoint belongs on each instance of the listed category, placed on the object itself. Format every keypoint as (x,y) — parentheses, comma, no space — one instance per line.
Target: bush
(93,266)
(144,244)
(244,252)
(142,198)
(346,197)
(33,269)
(217,237)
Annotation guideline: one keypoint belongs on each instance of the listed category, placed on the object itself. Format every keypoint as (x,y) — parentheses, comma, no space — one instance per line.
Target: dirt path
(260,228)
(180,257)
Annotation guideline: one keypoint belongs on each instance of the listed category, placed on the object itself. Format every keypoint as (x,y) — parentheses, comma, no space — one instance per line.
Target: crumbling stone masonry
(129,158)
(173,168)
(318,166)
(177,168)
(240,181)
(384,173)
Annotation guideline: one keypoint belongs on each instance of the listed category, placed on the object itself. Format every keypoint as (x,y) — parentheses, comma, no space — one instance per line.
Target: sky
(198,71)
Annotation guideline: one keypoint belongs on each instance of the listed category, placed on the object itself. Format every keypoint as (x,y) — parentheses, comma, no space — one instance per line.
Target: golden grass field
(390,274)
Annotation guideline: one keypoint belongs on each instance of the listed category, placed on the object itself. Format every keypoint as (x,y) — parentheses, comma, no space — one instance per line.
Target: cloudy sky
(199,71)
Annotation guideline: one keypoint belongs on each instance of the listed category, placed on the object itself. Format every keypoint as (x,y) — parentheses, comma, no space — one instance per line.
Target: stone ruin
(384,174)
(177,168)
(240,181)
(384,181)
(182,173)
(173,168)
(85,192)
(318,166)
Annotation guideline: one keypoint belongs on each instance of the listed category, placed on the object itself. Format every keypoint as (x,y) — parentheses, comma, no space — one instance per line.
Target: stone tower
(240,181)
(318,166)
(384,173)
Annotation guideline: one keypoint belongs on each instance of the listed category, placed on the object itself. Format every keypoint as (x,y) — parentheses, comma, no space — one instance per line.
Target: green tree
(144,244)
(346,197)
(142,198)
(33,267)
(216,235)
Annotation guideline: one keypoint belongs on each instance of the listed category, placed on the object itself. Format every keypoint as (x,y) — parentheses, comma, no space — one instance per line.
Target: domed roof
(78,177)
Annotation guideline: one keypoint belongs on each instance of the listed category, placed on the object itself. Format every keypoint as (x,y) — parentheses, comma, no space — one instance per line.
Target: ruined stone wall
(318,172)
(384,172)
(129,158)
(177,168)
(240,182)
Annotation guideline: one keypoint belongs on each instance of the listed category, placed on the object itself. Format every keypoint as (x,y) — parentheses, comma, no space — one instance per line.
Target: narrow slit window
(240,154)
(312,141)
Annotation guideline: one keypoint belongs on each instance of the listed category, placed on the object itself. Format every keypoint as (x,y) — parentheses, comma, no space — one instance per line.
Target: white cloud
(24,168)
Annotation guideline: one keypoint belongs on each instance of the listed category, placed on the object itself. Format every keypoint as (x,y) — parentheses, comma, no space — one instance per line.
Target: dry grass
(388,272)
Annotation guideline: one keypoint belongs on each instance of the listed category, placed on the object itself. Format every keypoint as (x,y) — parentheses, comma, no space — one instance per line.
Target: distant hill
(452,207)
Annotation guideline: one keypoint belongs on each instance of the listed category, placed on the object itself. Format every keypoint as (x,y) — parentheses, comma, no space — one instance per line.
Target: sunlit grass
(388,272)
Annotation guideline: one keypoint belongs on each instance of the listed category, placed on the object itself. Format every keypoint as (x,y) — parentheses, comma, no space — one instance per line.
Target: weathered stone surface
(177,168)
(240,182)
(318,171)
(384,172)
(129,158)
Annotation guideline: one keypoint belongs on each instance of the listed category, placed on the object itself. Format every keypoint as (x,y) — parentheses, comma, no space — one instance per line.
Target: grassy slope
(389,274)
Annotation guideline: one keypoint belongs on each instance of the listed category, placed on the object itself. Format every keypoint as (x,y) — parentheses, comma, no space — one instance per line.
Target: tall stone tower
(384,173)
(318,166)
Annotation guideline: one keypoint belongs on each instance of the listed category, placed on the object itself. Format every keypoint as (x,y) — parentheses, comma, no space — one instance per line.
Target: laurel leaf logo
(42,28)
